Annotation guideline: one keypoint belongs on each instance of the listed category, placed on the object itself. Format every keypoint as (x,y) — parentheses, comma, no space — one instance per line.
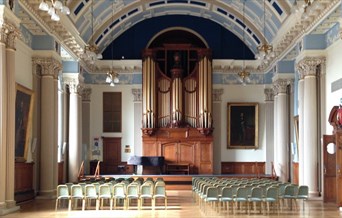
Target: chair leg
(69,206)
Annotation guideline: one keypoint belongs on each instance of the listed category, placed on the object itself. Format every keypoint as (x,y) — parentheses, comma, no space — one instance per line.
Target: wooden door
(329,167)
(339,167)
(111,155)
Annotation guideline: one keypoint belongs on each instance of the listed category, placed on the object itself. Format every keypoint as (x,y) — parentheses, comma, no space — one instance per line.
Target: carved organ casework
(177,105)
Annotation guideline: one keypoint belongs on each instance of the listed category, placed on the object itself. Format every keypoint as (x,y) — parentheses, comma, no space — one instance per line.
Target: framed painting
(23,121)
(242,125)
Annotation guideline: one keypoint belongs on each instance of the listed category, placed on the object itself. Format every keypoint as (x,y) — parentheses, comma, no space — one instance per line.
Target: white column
(309,66)
(3,120)
(137,94)
(269,128)
(218,145)
(86,92)
(301,129)
(74,141)
(11,92)
(276,159)
(48,150)
(281,131)
(9,31)
(60,120)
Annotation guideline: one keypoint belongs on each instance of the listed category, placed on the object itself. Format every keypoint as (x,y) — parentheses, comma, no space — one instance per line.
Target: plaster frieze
(310,66)
(49,66)
(217,94)
(86,93)
(269,94)
(137,94)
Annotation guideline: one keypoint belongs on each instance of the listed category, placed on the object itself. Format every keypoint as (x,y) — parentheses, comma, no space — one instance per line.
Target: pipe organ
(177,105)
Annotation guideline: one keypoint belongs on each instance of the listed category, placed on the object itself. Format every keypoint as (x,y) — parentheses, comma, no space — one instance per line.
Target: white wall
(128,116)
(333,73)
(23,65)
(240,93)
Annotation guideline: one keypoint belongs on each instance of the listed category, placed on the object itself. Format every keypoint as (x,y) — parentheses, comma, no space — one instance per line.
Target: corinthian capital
(49,66)
(217,93)
(309,66)
(86,92)
(8,33)
(280,86)
(269,94)
(137,94)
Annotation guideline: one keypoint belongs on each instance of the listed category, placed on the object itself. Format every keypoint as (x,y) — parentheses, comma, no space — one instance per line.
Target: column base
(46,195)
(10,203)
(313,194)
(4,211)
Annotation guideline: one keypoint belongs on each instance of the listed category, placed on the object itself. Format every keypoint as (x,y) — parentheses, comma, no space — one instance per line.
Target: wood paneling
(295,175)
(60,172)
(243,168)
(181,145)
(23,186)
(338,136)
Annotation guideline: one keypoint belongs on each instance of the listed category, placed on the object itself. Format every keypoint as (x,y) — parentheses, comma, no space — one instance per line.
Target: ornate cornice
(49,66)
(137,94)
(269,94)
(217,93)
(302,27)
(309,65)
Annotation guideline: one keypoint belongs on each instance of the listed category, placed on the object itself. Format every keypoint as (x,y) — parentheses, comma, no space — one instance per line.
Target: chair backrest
(272,192)
(76,191)
(62,191)
(105,191)
(303,191)
(256,192)
(159,190)
(290,190)
(119,190)
(90,191)
(133,189)
(146,189)
(227,192)
(242,192)
(212,192)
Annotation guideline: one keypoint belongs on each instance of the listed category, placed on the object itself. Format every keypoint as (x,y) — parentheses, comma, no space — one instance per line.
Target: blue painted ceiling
(224,44)
(220,22)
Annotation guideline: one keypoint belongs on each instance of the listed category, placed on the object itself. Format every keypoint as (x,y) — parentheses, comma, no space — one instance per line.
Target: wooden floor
(180,204)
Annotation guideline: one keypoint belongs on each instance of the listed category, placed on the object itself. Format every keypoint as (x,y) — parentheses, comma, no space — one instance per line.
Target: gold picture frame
(23,121)
(242,125)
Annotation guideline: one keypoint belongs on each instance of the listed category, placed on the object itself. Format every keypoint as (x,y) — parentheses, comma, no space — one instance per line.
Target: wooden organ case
(177,106)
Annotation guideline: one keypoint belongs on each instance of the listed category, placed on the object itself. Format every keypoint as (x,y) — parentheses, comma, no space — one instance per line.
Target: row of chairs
(238,192)
(113,192)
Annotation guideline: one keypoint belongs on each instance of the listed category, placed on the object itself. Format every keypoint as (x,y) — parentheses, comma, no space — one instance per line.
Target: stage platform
(182,182)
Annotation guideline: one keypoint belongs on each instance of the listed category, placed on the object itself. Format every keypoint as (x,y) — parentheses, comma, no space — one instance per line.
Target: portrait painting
(23,121)
(242,125)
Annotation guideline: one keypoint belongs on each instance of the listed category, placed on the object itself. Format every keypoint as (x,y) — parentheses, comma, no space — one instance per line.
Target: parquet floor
(180,204)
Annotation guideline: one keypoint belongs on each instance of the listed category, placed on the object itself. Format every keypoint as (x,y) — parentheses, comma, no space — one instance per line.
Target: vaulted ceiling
(104,21)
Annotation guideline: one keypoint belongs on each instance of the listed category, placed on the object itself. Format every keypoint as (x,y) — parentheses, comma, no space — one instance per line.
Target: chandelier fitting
(53,8)
(112,77)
